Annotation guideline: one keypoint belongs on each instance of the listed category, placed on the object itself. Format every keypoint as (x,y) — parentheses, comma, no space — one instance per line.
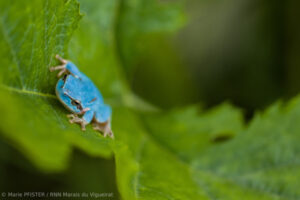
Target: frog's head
(69,96)
(72,103)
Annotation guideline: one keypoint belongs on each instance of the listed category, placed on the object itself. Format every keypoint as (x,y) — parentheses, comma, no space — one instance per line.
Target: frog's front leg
(62,68)
(75,119)
(84,120)
(63,61)
(66,67)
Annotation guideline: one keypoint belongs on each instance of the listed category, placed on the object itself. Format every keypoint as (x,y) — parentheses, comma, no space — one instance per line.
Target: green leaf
(30,35)
(189,131)
(260,162)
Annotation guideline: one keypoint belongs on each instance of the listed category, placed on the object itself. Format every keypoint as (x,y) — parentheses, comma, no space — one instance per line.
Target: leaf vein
(24,91)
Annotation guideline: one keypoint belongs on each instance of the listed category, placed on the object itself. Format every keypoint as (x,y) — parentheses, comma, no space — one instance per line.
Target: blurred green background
(243,51)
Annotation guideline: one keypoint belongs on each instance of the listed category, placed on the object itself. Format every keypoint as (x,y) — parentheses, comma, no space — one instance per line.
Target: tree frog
(80,96)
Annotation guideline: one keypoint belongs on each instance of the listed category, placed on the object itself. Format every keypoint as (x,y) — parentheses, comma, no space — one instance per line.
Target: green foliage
(182,154)
(33,118)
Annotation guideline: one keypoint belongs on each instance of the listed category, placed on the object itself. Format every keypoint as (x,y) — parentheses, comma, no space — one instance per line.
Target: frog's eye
(75,102)
(65,78)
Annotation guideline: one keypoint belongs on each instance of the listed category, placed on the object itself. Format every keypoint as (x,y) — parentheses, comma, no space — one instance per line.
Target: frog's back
(91,92)
(80,88)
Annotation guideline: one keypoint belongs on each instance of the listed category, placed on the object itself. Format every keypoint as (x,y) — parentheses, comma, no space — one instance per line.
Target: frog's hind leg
(105,128)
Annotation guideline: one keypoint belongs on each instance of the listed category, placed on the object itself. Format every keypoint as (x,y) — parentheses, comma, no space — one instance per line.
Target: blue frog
(80,96)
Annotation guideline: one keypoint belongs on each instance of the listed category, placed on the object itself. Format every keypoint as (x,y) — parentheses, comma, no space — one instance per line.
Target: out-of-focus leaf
(85,174)
(259,163)
(189,131)
(153,164)
(263,162)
